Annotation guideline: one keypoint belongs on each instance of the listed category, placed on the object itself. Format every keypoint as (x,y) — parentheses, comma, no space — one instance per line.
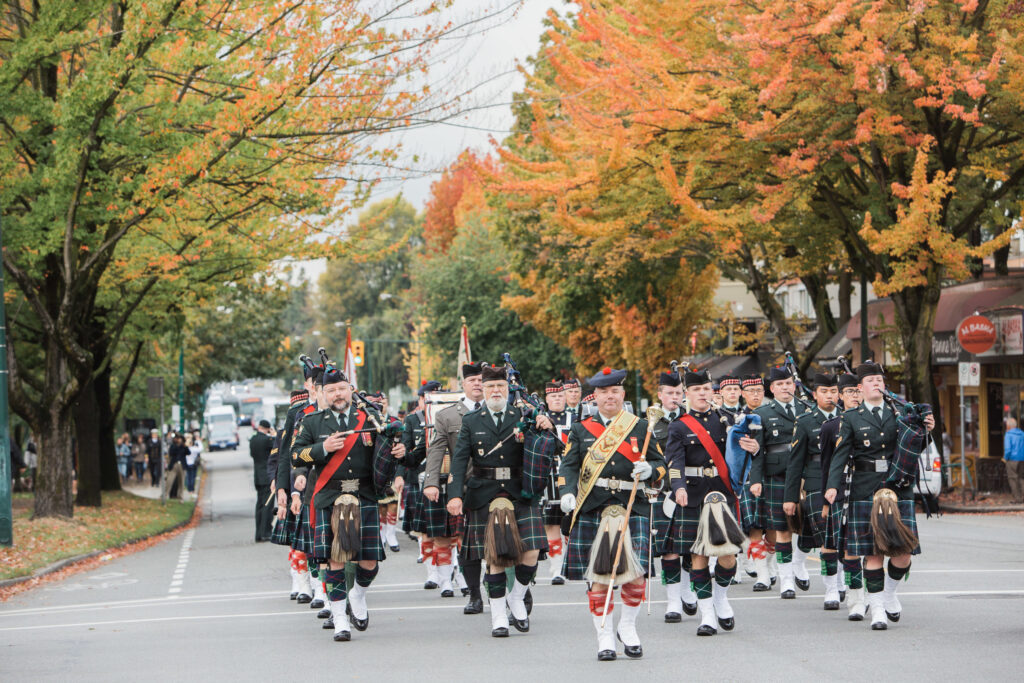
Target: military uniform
(260,447)
(284,529)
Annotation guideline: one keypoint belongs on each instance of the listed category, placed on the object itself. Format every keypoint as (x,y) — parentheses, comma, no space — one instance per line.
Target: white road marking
(407,608)
(179,572)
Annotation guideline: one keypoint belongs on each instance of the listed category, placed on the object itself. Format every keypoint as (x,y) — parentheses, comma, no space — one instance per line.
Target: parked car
(221,427)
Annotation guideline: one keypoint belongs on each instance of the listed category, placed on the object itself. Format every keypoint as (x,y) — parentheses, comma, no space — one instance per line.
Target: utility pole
(6,511)
(865,348)
(181,388)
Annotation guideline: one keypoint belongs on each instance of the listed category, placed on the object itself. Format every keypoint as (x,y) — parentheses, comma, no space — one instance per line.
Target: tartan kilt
(369,532)
(553,514)
(435,521)
(284,530)
(662,525)
(584,531)
(812,533)
(774,491)
(413,495)
(835,513)
(529,519)
(752,510)
(302,534)
(859,539)
(682,530)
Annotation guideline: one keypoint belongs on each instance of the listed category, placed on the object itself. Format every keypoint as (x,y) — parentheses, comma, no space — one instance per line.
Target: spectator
(177,457)
(124,456)
(1013,454)
(154,454)
(195,449)
(16,464)
(31,463)
(260,445)
(139,457)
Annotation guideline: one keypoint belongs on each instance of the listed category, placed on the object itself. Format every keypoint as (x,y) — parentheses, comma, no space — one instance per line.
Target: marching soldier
(441,526)
(752,391)
(803,476)
(573,397)
(501,525)
(703,493)
(284,527)
(768,475)
(409,476)
(392,493)
(867,443)
(599,470)
(351,465)
(554,398)
(675,568)
(752,514)
(731,391)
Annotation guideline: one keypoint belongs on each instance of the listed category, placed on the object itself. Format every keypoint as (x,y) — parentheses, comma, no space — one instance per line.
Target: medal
(367,439)
(632,444)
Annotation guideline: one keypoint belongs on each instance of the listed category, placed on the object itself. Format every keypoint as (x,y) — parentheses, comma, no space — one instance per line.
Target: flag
(350,359)
(465,356)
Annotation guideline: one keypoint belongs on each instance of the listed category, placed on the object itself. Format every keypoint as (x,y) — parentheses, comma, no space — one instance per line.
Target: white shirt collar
(470,405)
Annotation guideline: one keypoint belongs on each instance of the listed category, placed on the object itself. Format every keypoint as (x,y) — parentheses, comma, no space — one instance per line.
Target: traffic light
(358,352)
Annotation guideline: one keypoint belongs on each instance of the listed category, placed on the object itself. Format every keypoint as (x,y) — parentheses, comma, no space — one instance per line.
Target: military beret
(669,379)
(265,424)
(492,373)
(848,381)
(868,369)
(753,381)
(823,379)
(608,378)
(553,387)
(692,379)
(427,386)
(728,381)
(776,374)
(472,369)
(332,375)
(571,382)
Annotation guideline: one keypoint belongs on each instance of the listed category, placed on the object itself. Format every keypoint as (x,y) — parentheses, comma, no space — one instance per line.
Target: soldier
(260,447)
(554,397)
(752,390)
(410,474)
(351,465)
(393,493)
(803,475)
(598,473)
(768,474)
(491,495)
(573,397)
(867,442)
(284,527)
(675,568)
(731,392)
(442,527)
(752,517)
(697,469)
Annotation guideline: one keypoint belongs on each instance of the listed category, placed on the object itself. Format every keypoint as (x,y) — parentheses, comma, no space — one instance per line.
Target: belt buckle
(881,466)
(349,485)
(503,472)
(614,484)
(709,471)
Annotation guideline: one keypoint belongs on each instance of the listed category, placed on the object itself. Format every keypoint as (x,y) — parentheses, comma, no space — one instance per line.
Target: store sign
(976,334)
(945,348)
(969,374)
(1009,341)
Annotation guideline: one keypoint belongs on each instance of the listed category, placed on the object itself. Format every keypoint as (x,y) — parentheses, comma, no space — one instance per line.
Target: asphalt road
(212,604)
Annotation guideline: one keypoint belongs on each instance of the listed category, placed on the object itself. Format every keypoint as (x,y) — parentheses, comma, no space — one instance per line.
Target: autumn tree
(139,139)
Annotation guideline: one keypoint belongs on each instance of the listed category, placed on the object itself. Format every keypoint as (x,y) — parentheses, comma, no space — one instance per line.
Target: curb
(43,572)
(981,510)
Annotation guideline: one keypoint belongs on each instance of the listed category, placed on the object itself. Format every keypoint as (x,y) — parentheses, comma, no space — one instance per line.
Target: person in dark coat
(260,446)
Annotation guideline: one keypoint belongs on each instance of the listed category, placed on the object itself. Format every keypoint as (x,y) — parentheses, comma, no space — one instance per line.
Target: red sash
(710,446)
(333,464)
(625,448)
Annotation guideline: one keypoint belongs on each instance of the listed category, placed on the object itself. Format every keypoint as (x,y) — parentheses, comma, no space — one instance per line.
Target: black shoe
(842,596)
(606,656)
(447,594)
(528,601)
(500,632)
(761,588)
(328,624)
(521,625)
(342,637)
(751,574)
(324,613)
(879,626)
(429,586)
(803,584)
(788,595)
(419,560)
(632,651)
(293,596)
(892,616)
(304,599)
(831,605)
(705,630)
(316,604)
(673,617)
(856,617)
(558,581)
(474,606)
(774,579)
(690,609)
(395,548)
(466,592)
(360,624)
(727,624)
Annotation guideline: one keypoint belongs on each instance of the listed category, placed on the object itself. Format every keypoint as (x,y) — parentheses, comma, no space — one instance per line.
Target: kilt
(859,539)
(831,533)
(369,532)
(774,491)
(413,495)
(284,530)
(752,510)
(302,536)
(682,530)
(662,524)
(812,532)
(577,557)
(435,521)
(553,514)
(528,518)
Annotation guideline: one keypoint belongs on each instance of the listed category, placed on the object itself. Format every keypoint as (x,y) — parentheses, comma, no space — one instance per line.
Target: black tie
(497,420)
(476,406)
(671,417)
(789,411)
(341,421)
(877,412)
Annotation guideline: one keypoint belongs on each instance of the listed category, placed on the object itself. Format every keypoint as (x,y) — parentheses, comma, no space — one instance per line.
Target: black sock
(495,584)
(671,571)
(334,579)
(364,577)
(700,581)
(784,552)
(874,580)
(471,570)
(525,573)
(829,562)
(852,568)
(686,562)
(897,573)
(724,575)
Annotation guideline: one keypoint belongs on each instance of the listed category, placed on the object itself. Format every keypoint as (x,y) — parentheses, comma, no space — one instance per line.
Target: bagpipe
(389,429)
(539,446)
(808,396)
(736,458)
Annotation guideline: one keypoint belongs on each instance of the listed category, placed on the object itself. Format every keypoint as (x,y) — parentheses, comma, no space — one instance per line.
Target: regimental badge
(775,432)
(867,443)
(480,451)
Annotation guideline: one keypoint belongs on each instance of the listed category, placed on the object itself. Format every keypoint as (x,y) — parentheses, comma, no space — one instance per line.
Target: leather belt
(777,448)
(497,473)
(880,465)
(622,485)
(708,471)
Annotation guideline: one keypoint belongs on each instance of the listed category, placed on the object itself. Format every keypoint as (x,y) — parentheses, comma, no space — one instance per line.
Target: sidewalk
(980,502)
(144,490)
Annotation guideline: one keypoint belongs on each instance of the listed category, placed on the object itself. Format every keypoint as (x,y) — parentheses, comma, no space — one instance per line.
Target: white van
(221,427)
(273,409)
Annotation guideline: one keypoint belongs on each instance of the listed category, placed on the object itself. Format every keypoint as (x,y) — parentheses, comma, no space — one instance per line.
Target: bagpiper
(284,524)
(803,492)
(392,493)
(351,465)
(879,512)
(502,525)
(410,476)
(731,392)
(573,397)
(562,419)
(610,456)
(704,522)
(752,517)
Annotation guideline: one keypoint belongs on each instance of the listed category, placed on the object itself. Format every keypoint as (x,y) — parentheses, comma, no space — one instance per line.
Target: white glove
(568,503)
(642,470)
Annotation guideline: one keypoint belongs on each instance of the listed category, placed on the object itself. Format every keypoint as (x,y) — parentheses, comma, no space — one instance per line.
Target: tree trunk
(54,473)
(87,436)
(845,297)
(110,477)
(916,308)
